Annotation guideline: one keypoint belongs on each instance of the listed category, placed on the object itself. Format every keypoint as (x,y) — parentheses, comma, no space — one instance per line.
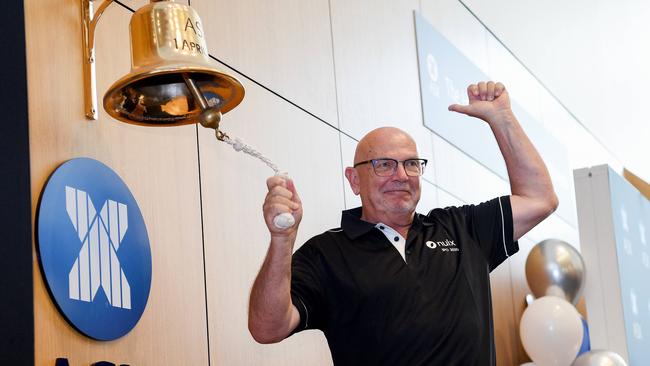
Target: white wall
(593,55)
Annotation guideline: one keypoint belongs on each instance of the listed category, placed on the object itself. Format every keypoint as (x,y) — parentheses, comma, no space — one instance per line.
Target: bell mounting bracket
(89,19)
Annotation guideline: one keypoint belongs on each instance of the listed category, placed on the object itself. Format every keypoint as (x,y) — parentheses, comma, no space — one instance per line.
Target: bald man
(391,286)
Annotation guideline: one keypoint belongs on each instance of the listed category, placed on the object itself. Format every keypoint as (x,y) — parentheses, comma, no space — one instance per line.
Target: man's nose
(400,172)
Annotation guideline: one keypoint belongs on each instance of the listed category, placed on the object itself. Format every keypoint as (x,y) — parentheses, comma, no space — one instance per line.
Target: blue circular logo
(94,249)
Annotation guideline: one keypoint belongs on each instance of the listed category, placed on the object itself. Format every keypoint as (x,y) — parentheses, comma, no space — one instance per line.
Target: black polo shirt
(433,309)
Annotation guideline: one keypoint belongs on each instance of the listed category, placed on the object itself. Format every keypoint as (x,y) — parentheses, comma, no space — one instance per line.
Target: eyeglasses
(385,167)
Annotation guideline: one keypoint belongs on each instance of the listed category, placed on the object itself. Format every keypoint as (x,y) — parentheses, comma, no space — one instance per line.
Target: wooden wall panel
(285,45)
(159,166)
(520,289)
(348,146)
(136,4)
(377,70)
(233,190)
(506,335)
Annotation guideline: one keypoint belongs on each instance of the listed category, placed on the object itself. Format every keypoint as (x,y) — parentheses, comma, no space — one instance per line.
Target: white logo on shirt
(446,245)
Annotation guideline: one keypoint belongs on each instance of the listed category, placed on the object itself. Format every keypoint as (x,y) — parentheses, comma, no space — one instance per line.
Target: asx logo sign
(96,264)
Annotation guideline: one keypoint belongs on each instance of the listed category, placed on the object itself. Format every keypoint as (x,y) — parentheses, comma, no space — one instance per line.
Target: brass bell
(172,81)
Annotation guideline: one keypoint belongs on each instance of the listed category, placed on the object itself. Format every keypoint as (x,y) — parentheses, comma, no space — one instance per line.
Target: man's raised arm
(533,198)
(271,315)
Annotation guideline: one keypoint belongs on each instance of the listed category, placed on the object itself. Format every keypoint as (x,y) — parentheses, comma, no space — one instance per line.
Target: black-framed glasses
(385,167)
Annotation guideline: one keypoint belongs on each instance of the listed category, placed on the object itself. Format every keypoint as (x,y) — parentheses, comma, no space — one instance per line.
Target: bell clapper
(210,118)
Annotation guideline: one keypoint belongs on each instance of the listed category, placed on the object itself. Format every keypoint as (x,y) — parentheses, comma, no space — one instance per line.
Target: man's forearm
(271,315)
(529,177)
(526,169)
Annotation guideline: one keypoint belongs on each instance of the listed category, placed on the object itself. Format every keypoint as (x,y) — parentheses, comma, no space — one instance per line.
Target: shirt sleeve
(491,225)
(307,290)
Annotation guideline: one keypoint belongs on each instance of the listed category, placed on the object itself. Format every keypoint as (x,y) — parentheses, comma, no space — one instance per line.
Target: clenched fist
(281,198)
(487,101)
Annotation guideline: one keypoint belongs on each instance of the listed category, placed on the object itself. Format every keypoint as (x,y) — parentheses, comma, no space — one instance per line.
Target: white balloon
(551,331)
(599,358)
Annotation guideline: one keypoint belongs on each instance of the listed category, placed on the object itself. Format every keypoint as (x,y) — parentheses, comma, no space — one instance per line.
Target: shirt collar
(353,226)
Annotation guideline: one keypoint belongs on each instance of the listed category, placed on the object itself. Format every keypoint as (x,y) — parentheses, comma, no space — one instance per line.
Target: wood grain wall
(318,74)
(160,166)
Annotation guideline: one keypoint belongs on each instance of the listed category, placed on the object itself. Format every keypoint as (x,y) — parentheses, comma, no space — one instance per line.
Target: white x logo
(97,264)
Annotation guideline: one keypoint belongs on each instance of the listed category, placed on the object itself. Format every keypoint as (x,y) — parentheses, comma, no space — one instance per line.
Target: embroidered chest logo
(446,245)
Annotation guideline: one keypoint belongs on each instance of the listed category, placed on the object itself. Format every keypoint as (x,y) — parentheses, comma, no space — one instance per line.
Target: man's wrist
(283,239)
(502,118)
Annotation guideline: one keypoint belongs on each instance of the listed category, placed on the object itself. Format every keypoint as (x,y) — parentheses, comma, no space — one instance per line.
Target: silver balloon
(599,358)
(554,267)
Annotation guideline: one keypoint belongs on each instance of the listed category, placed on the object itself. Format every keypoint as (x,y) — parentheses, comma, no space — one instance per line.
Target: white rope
(284,220)
(239,145)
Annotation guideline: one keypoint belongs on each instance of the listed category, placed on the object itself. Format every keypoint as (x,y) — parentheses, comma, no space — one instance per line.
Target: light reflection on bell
(167,42)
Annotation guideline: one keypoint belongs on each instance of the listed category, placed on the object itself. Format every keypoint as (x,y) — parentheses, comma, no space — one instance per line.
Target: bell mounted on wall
(173,81)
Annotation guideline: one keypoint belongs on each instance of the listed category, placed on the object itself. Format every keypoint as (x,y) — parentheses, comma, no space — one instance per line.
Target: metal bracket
(89,19)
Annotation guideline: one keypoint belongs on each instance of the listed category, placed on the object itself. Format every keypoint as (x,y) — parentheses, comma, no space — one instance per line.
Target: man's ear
(353,177)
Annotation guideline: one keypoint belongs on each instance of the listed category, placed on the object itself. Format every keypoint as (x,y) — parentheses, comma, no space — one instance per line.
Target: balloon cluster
(552,331)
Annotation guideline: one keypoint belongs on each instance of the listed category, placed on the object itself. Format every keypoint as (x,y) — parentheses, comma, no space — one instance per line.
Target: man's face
(397,194)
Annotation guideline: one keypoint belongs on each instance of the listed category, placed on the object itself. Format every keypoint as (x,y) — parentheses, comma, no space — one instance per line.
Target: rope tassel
(284,220)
